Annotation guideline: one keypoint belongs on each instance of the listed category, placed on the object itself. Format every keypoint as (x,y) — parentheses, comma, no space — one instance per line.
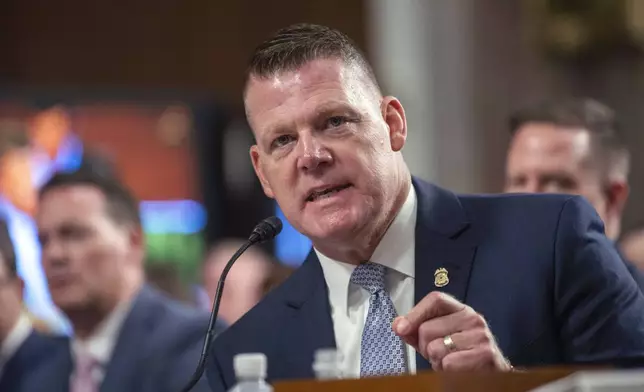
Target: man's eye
(281,141)
(336,121)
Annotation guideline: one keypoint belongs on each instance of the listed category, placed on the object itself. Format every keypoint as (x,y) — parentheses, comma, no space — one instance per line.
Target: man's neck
(362,247)
(86,321)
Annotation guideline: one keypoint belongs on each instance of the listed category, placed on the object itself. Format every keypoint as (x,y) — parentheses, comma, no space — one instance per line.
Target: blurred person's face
(86,255)
(10,299)
(328,148)
(244,284)
(543,158)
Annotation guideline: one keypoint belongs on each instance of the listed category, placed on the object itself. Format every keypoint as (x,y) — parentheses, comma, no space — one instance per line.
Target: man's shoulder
(47,340)
(531,203)
(545,208)
(173,320)
(39,349)
(42,345)
(498,204)
(507,219)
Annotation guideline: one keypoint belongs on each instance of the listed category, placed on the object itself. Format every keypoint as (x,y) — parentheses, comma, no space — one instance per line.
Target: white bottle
(326,364)
(250,372)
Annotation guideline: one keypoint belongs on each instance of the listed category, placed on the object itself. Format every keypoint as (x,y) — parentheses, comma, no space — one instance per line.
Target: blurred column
(422,53)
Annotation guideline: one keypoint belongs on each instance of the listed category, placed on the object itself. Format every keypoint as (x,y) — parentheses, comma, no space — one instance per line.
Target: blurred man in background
(252,276)
(127,336)
(22,347)
(573,147)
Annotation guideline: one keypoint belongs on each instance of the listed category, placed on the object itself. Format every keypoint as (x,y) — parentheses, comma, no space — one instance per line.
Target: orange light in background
(49,128)
(16,181)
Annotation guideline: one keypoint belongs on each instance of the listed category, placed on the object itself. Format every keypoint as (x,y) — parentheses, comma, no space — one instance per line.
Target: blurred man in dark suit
(22,348)
(572,146)
(127,336)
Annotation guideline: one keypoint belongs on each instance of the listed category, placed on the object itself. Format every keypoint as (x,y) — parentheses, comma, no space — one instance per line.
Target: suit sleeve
(599,307)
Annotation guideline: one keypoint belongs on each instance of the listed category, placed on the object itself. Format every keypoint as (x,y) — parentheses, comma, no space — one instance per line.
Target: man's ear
(255,158)
(617,195)
(394,115)
(136,238)
(617,192)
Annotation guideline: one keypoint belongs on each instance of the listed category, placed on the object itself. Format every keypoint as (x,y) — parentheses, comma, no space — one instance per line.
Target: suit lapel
(58,369)
(309,326)
(444,251)
(39,360)
(128,355)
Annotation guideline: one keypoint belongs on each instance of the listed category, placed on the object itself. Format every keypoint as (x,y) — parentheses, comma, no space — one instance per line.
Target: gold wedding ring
(449,343)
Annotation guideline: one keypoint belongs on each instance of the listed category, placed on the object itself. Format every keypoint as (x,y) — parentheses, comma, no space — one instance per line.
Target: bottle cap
(250,365)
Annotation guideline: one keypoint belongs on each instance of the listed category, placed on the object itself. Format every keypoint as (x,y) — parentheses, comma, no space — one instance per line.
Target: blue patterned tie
(382,351)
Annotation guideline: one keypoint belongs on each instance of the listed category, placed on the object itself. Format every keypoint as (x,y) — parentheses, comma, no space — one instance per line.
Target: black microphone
(265,230)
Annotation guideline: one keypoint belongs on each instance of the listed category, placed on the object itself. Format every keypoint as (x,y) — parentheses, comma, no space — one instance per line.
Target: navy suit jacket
(157,350)
(537,267)
(34,352)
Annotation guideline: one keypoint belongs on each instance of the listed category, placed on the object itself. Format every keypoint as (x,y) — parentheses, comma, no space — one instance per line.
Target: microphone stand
(201,366)
(264,231)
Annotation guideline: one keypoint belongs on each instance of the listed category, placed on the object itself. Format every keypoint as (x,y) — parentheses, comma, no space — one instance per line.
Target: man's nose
(313,153)
(53,254)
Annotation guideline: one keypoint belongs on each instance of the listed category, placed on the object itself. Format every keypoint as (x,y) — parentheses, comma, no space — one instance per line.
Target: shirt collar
(395,251)
(100,344)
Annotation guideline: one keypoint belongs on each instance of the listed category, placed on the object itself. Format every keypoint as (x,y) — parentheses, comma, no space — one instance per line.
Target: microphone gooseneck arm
(201,366)
(266,230)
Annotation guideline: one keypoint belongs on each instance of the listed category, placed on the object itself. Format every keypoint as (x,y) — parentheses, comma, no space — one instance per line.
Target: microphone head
(266,230)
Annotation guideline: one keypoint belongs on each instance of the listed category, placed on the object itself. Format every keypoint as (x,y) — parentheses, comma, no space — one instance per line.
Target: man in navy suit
(405,275)
(127,336)
(572,146)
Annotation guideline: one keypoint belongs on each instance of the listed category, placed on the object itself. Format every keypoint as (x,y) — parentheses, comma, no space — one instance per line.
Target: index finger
(435,304)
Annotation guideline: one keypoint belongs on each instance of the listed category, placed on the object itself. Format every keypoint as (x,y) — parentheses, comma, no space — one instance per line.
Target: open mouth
(324,193)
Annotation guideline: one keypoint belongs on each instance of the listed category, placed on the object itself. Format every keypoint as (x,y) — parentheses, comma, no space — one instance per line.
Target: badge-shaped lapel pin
(441,278)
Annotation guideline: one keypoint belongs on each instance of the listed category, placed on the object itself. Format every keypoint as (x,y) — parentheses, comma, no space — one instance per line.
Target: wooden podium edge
(519,381)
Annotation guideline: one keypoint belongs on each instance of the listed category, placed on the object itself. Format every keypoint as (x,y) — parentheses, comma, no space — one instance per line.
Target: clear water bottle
(326,364)
(250,372)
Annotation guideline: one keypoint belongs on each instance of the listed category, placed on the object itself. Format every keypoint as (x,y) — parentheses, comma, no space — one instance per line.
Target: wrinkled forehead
(316,84)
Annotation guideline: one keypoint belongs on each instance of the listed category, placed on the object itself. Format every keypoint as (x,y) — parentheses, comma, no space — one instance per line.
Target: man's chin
(70,304)
(333,231)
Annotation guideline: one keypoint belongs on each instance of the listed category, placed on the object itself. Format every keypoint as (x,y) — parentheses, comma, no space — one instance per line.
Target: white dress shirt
(350,302)
(100,344)
(19,333)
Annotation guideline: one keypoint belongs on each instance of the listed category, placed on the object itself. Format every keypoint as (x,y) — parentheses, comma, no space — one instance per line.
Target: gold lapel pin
(441,279)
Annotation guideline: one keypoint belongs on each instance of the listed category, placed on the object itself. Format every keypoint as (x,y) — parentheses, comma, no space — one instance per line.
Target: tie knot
(370,276)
